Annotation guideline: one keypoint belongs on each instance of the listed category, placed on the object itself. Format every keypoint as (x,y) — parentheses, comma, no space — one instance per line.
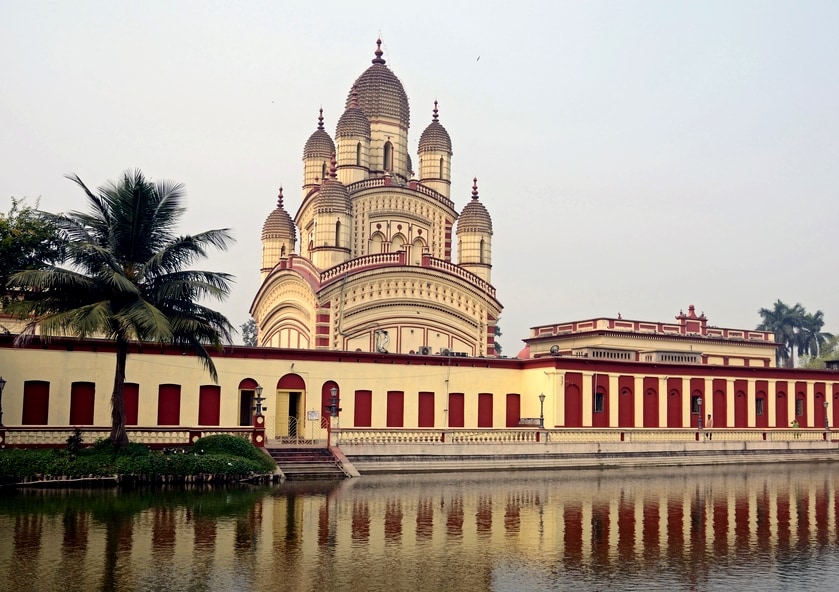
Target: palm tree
(784,322)
(125,278)
(811,337)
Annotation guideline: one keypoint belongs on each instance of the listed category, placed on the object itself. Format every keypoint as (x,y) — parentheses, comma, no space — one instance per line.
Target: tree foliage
(27,241)
(249,333)
(498,347)
(125,277)
(798,331)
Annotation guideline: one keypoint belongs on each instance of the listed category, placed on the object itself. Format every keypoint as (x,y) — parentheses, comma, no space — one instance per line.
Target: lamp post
(541,410)
(699,411)
(2,386)
(258,399)
(333,403)
(826,422)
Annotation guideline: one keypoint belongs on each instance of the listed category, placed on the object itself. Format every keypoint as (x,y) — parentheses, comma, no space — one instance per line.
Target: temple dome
(279,224)
(380,93)
(353,123)
(319,144)
(332,195)
(435,138)
(474,217)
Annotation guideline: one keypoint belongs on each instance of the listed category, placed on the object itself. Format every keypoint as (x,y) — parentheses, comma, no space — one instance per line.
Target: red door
(82,396)
(131,396)
(650,402)
(209,405)
(484,410)
(761,401)
(741,404)
(600,410)
(626,402)
(363,409)
(425,413)
(169,404)
(820,412)
(801,404)
(36,402)
(674,403)
(573,406)
(395,409)
(720,412)
(782,419)
(513,409)
(456,414)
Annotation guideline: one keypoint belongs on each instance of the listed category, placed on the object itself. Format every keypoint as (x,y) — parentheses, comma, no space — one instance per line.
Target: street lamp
(333,403)
(541,410)
(259,399)
(826,422)
(2,386)
(699,411)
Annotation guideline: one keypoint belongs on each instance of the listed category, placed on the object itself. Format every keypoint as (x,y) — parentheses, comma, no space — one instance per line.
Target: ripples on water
(724,528)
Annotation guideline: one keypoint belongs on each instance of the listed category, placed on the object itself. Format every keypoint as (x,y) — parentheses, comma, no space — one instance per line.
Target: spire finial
(378,59)
(280,198)
(475,188)
(320,119)
(435,110)
(333,167)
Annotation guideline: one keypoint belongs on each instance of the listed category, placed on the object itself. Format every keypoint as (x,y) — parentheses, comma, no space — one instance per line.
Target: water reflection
(694,529)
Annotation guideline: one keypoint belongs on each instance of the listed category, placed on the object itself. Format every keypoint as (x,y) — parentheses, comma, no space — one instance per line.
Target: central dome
(380,93)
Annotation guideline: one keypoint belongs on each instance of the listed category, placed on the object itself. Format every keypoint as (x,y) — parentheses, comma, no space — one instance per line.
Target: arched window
(337,233)
(396,243)
(440,174)
(416,251)
(323,172)
(282,252)
(358,154)
(388,156)
(376,243)
(481,256)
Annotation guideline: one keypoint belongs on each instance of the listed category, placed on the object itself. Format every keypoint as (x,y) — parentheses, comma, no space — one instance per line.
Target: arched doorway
(290,404)
(247,394)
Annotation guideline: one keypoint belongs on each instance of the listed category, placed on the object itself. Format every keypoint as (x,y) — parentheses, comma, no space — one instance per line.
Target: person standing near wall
(709,423)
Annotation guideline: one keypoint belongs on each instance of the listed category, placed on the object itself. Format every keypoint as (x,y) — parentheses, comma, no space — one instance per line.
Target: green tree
(828,351)
(784,322)
(497,345)
(125,277)
(27,241)
(811,338)
(249,333)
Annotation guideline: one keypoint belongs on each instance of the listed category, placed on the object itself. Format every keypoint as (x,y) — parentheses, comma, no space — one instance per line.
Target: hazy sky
(636,157)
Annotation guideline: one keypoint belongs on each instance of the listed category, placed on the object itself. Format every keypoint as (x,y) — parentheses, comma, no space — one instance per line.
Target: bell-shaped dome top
(435,137)
(319,144)
(474,217)
(332,195)
(278,224)
(353,122)
(380,92)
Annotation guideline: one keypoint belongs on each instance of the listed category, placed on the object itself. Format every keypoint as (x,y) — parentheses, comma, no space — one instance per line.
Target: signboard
(313,415)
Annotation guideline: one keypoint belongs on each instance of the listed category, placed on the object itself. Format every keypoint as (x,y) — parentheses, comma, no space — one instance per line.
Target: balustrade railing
(490,436)
(154,437)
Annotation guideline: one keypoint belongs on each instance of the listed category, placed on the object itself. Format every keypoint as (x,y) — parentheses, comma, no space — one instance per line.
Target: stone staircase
(307,463)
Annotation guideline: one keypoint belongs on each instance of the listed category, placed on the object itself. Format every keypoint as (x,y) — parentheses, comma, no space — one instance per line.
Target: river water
(713,528)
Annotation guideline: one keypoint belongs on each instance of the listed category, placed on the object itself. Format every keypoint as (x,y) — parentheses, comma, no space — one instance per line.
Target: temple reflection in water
(681,527)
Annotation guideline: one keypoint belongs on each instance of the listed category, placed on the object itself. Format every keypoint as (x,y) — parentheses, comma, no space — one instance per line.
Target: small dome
(332,195)
(353,122)
(278,224)
(319,144)
(435,137)
(474,217)
(380,92)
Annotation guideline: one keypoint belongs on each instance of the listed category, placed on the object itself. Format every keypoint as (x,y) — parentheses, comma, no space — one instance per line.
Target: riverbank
(370,459)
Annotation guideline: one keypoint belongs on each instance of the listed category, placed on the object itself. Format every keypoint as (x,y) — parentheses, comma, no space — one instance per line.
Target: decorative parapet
(387,182)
